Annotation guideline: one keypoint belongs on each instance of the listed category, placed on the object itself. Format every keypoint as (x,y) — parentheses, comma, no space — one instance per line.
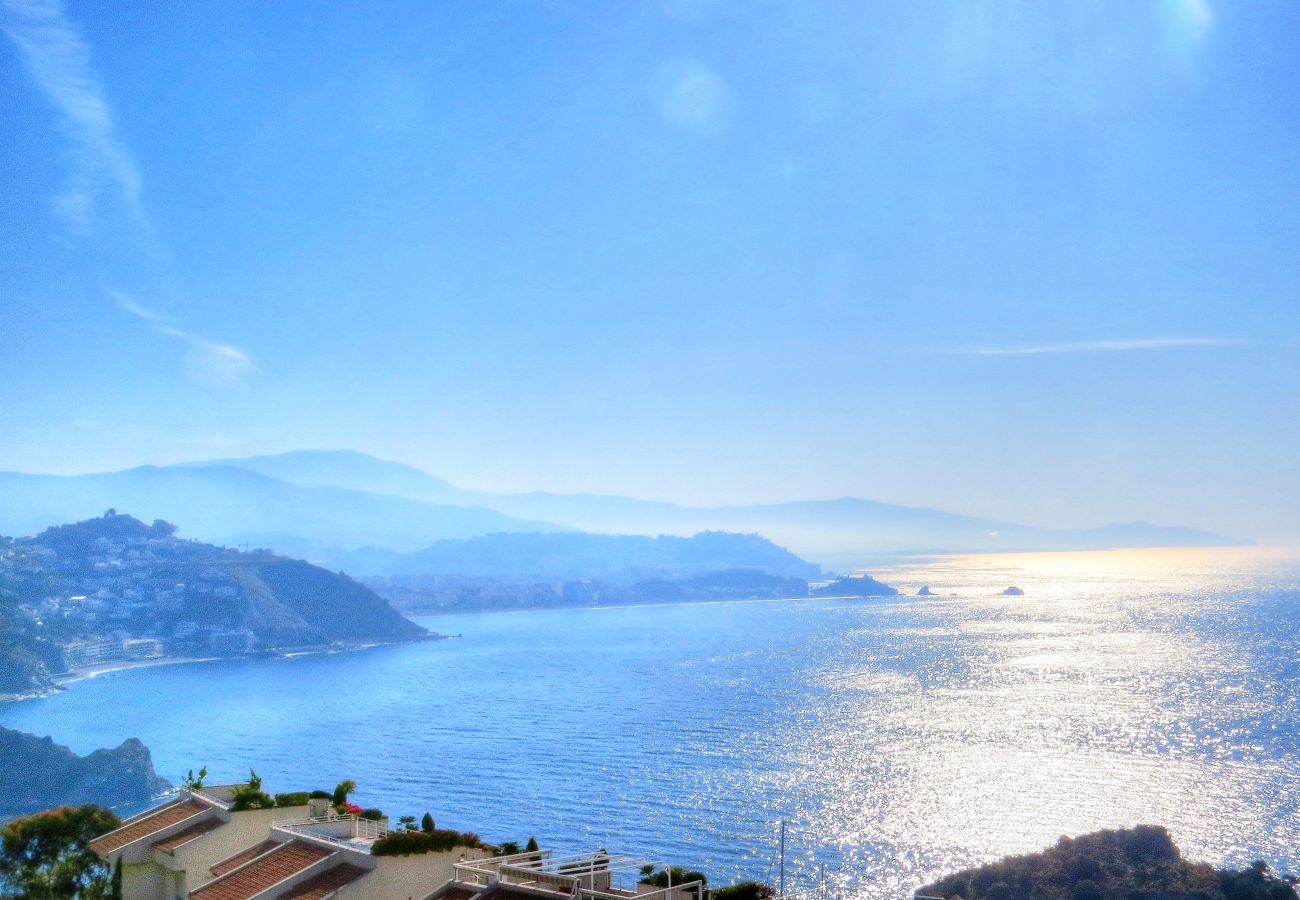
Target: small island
(1013,591)
(855,586)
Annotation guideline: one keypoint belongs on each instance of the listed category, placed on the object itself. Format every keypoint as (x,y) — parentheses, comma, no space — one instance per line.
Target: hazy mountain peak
(349,469)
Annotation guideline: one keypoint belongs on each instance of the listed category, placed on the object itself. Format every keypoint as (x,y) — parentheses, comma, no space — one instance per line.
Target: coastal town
(108,602)
(114,591)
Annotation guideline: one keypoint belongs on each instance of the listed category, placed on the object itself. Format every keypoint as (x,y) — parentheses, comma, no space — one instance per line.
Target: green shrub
(407,843)
(251,795)
(297,798)
(372,813)
(745,890)
(321,795)
(680,876)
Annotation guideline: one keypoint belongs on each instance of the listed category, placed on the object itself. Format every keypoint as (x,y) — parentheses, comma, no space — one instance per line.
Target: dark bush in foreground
(660,879)
(744,890)
(406,843)
(1140,863)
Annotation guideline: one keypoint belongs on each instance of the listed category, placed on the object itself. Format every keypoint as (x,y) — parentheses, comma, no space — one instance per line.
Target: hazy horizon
(1025,262)
(1276,541)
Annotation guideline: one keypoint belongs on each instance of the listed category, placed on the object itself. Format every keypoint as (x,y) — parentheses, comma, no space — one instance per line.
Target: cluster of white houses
(199,847)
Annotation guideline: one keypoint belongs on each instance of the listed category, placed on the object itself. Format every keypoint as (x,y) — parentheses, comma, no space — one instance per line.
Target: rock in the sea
(36,774)
(1014,591)
(924,591)
(856,586)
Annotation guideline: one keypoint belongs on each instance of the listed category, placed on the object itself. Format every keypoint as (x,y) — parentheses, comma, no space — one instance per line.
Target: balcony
(589,876)
(343,830)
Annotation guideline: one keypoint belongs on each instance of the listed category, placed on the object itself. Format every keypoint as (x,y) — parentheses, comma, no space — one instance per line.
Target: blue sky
(1019,259)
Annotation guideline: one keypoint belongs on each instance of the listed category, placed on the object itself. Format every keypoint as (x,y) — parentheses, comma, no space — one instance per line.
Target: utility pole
(780,893)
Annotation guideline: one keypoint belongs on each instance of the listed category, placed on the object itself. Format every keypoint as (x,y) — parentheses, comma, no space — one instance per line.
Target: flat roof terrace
(594,876)
(343,830)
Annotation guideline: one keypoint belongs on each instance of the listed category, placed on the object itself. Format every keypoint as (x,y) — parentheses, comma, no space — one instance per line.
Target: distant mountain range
(316,503)
(229,504)
(572,555)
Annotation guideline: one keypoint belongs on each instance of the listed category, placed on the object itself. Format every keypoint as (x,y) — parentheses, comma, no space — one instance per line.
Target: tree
(49,855)
(162,528)
(342,789)
(427,824)
(251,795)
(115,886)
(508,848)
(407,823)
(1255,882)
(531,846)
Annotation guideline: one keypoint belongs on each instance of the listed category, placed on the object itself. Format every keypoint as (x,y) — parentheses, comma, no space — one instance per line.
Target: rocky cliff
(36,774)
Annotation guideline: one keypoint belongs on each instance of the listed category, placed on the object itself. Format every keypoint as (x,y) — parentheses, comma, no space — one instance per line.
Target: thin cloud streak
(60,63)
(1111,346)
(210,363)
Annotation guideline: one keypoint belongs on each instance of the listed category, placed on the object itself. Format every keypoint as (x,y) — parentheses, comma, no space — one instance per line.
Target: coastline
(62,680)
(437,614)
(72,676)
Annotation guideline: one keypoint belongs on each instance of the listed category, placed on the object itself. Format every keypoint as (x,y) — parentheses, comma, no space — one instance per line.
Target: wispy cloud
(103,172)
(210,362)
(1110,346)
(60,63)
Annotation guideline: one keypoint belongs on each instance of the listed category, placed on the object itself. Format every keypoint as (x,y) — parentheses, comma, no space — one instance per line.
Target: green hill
(1140,863)
(69,593)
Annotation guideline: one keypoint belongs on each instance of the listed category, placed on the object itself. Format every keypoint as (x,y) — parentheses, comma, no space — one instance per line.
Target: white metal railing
(361,829)
(692,887)
(485,871)
(575,875)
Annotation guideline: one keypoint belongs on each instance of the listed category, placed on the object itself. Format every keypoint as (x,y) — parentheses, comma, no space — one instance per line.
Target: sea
(893,740)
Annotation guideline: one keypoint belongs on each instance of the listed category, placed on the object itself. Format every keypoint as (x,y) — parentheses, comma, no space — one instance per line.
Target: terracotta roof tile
(147,824)
(457,890)
(263,872)
(167,845)
(243,856)
(326,883)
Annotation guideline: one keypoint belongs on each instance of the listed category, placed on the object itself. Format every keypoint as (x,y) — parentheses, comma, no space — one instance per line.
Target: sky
(1013,259)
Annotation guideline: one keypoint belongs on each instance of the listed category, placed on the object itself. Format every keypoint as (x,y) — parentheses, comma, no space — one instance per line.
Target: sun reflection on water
(1116,691)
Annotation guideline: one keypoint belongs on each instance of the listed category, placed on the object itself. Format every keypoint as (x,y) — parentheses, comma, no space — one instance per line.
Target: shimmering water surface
(899,739)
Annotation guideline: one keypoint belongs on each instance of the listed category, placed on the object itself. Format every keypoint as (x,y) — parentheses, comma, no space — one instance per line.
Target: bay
(899,738)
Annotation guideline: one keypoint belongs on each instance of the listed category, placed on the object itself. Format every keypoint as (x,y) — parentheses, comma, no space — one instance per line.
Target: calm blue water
(899,739)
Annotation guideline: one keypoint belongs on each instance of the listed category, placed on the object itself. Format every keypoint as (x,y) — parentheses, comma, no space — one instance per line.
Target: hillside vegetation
(1140,863)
